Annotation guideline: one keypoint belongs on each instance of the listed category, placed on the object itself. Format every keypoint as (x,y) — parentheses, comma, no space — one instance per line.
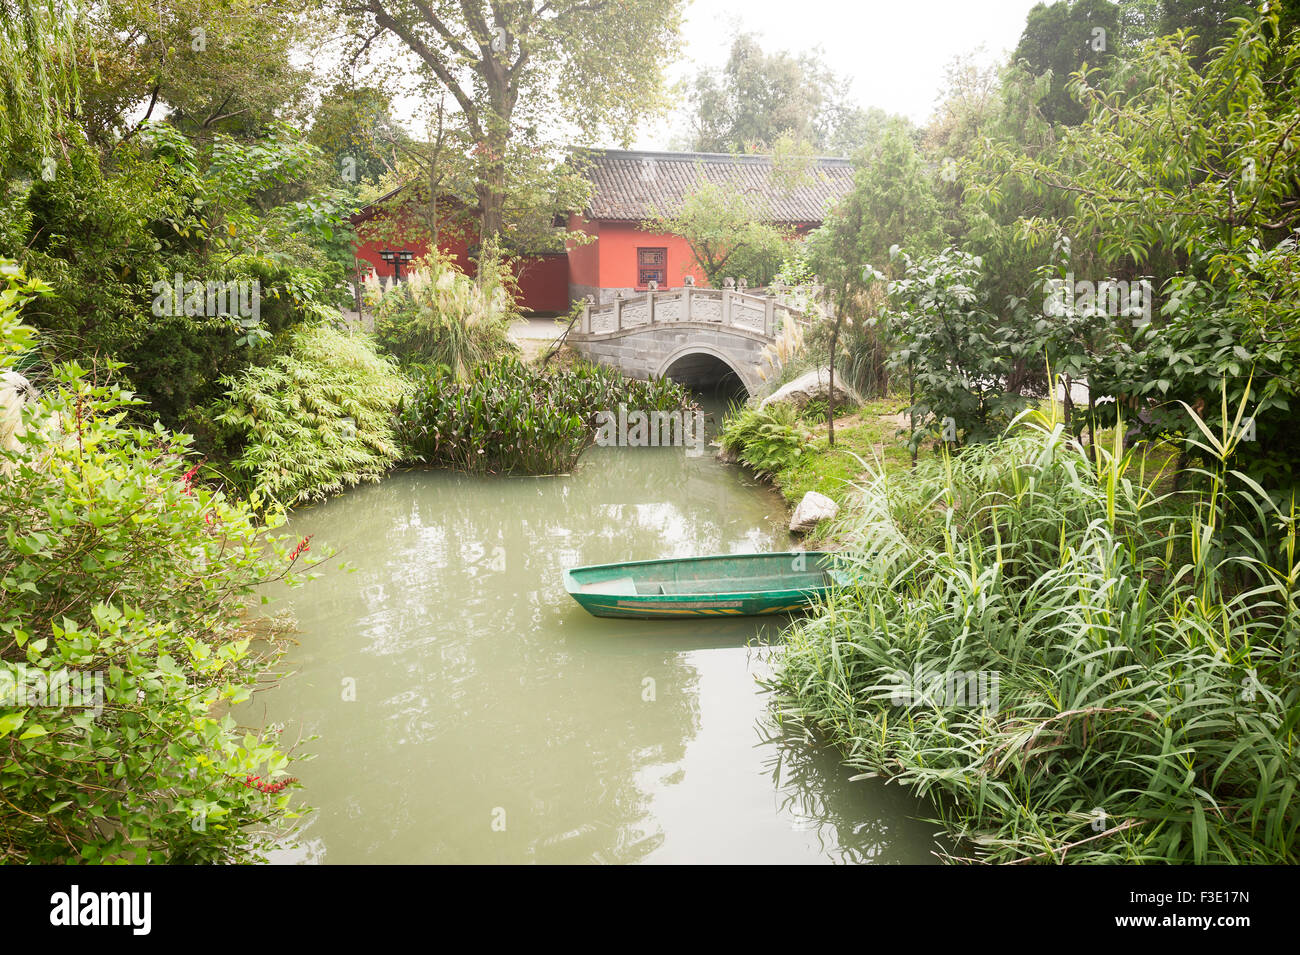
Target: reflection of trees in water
(854,821)
(483,684)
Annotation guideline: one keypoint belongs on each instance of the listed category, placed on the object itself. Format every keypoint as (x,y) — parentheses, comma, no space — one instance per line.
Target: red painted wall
(378,231)
(584,259)
(611,261)
(544,283)
(543,279)
(618,244)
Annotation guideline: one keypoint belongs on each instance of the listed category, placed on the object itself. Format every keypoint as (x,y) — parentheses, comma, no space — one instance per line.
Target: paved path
(536,329)
(534,335)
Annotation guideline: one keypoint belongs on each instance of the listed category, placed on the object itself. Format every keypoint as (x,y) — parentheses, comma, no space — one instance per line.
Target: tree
(728,237)
(104,237)
(985,112)
(891,202)
(758,96)
(1207,22)
(103,223)
(958,356)
(511,66)
(207,68)
(39,84)
(1198,196)
(853,128)
(429,194)
(354,129)
(1062,38)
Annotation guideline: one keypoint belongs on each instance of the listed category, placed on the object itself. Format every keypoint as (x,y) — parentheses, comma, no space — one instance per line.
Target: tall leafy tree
(516,67)
(1199,194)
(727,234)
(207,67)
(355,132)
(40,82)
(892,202)
(758,98)
(1207,22)
(1062,38)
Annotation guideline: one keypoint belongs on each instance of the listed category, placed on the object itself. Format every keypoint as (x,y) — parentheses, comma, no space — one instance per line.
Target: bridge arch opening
(707,373)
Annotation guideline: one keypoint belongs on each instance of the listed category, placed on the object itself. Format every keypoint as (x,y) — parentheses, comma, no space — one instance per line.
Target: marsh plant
(511,418)
(1145,642)
(651,429)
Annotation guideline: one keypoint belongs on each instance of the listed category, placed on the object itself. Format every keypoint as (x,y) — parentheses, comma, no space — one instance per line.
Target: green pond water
(494,721)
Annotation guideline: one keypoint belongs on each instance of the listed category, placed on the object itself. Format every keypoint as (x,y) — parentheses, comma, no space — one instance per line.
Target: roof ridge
(678,155)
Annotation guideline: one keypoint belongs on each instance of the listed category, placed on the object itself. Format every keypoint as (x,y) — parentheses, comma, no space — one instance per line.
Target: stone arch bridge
(692,335)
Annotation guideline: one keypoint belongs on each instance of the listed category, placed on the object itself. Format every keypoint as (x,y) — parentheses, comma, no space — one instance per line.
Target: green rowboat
(726,585)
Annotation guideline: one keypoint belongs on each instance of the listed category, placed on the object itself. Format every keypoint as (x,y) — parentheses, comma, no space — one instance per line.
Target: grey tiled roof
(632,186)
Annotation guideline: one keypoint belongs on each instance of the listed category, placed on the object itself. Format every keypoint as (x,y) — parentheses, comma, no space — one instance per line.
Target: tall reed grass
(440,316)
(1144,646)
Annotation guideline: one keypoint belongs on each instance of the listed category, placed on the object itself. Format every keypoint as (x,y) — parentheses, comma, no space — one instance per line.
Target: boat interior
(682,578)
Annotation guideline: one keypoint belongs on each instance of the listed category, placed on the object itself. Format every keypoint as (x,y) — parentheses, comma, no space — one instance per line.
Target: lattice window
(651,266)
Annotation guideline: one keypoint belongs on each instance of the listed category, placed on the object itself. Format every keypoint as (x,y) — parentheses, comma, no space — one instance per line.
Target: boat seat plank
(619,587)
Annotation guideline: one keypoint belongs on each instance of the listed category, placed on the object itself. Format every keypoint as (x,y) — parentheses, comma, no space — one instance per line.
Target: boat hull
(722,586)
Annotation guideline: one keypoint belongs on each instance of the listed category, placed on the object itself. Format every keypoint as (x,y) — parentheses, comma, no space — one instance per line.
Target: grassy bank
(792,449)
(868,434)
(870,441)
(1077,667)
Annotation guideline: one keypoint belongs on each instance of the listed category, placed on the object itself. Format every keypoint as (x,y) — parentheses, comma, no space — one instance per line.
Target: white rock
(15,391)
(812,508)
(811,386)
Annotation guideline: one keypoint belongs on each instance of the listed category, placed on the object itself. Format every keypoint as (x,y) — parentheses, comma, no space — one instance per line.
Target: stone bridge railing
(726,307)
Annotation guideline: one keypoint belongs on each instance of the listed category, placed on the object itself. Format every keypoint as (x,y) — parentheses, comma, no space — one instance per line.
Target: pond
(461,708)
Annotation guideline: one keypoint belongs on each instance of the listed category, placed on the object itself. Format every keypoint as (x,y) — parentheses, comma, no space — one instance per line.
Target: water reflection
(495,721)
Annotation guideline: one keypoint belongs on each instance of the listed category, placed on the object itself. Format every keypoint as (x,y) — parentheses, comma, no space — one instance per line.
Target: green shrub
(1141,649)
(104,235)
(117,571)
(770,439)
(315,420)
(814,412)
(512,418)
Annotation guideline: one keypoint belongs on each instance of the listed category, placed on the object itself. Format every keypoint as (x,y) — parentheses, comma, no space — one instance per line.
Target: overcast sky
(892,52)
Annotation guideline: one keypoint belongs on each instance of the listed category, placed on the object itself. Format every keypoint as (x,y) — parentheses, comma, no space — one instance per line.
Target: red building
(628,188)
(389,236)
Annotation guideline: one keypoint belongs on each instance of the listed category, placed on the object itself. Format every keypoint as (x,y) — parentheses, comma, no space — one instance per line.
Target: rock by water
(812,508)
(812,386)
